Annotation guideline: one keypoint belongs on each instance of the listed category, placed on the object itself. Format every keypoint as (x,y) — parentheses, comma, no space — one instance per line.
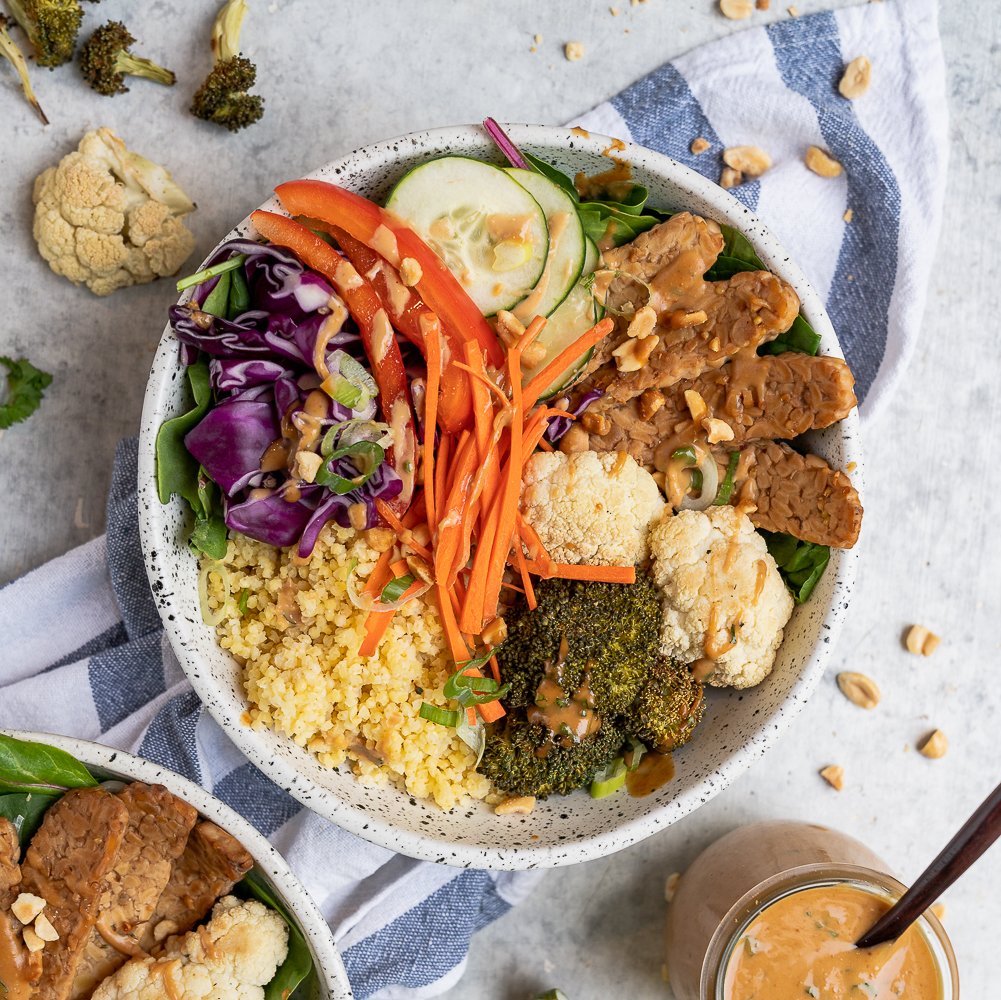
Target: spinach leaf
(297,968)
(738,246)
(800,563)
(217,301)
(209,533)
(25,811)
(239,293)
(799,337)
(556,176)
(26,385)
(35,767)
(176,470)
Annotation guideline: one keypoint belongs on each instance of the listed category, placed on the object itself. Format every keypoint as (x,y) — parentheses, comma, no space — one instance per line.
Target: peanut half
(856,78)
(934,745)
(921,641)
(859,689)
(834,775)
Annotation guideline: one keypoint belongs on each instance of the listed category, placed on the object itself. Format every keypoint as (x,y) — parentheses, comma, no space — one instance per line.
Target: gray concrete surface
(339,75)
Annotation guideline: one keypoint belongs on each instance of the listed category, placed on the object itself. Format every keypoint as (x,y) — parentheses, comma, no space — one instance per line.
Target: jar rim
(794,880)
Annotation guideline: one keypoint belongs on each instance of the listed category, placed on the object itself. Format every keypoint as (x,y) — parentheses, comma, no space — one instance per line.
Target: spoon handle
(977,834)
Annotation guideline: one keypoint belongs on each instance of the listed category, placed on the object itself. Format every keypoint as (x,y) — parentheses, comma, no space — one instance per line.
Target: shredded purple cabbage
(261,372)
(558,426)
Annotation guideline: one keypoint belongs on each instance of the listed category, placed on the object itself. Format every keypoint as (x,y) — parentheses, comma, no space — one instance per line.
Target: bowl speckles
(739,726)
(106,762)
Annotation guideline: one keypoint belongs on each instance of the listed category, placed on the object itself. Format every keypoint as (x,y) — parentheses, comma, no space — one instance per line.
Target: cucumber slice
(490,232)
(566,246)
(578,312)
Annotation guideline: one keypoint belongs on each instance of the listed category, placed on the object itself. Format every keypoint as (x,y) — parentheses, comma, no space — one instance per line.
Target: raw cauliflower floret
(589,507)
(715,571)
(107,217)
(233,957)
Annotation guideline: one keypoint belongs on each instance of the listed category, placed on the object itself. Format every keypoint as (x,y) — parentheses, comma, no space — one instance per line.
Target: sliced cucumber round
(566,246)
(578,312)
(488,229)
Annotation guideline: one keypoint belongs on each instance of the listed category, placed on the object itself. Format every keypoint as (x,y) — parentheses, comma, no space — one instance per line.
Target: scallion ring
(210,272)
(366,457)
(442,716)
(726,487)
(396,588)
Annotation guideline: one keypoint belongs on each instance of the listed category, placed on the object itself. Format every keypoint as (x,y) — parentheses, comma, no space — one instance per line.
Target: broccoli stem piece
(52,27)
(10,51)
(223,97)
(105,61)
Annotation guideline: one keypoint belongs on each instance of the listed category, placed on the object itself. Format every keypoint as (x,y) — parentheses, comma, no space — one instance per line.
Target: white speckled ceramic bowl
(739,726)
(106,763)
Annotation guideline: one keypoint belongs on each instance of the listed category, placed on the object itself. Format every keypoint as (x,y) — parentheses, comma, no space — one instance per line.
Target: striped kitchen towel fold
(777,88)
(84,653)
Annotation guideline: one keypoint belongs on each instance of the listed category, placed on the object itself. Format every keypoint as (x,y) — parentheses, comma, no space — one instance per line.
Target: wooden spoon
(977,834)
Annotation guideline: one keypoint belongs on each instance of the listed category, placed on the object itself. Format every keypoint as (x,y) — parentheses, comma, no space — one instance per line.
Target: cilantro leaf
(26,385)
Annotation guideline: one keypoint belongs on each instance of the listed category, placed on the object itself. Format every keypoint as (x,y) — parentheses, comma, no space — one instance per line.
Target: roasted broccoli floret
(223,97)
(522,759)
(667,709)
(106,61)
(12,53)
(51,27)
(605,632)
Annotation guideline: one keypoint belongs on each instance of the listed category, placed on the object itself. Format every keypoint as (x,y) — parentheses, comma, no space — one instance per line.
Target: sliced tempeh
(212,863)
(798,494)
(66,864)
(159,824)
(779,396)
(700,324)
(19,968)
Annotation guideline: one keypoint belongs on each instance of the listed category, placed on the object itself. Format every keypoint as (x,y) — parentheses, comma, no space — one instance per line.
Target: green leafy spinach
(25,811)
(26,385)
(800,563)
(35,767)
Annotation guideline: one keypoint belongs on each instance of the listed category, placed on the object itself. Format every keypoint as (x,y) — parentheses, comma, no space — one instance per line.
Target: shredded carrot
(495,668)
(432,348)
(449,541)
(389,516)
(482,410)
(491,711)
(472,608)
(545,445)
(539,383)
(378,621)
(483,380)
(599,574)
(471,716)
(441,470)
(455,642)
(526,580)
(531,332)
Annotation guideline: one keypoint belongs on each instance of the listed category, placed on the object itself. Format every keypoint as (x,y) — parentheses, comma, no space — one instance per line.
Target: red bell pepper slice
(376,332)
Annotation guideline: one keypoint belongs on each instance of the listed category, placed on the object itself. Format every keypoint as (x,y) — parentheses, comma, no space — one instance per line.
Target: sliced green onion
(441,716)
(210,272)
(634,753)
(474,736)
(726,487)
(244,598)
(396,588)
(239,294)
(459,681)
(349,381)
(359,375)
(337,387)
(217,301)
(686,455)
(696,481)
(367,457)
(609,779)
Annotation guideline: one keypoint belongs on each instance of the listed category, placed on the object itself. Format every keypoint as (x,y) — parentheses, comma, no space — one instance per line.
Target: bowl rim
(334,978)
(439,849)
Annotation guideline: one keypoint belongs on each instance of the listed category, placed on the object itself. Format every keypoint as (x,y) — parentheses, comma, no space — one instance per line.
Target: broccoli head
(51,26)
(668,707)
(105,61)
(223,97)
(604,635)
(522,759)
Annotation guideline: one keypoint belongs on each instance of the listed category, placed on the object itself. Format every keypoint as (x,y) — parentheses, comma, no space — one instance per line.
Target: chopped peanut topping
(358,516)
(651,400)
(520,805)
(857,76)
(696,405)
(793,11)
(27,906)
(631,355)
(834,775)
(44,928)
(495,632)
(509,327)
(730,178)
(642,323)
(681,320)
(410,272)
(699,146)
(595,423)
(718,430)
(763,4)
(736,10)
(574,51)
(848,216)
(533,355)
(920,641)
(307,465)
(419,567)
(859,689)
(380,539)
(821,163)
(934,745)
(750,160)
(31,940)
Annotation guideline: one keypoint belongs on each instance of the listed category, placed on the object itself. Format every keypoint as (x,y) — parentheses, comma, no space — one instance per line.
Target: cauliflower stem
(10,50)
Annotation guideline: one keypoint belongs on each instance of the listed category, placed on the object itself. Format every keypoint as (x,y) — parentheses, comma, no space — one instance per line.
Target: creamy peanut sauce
(712,645)
(329,329)
(568,715)
(525,311)
(804,946)
(503,226)
(613,183)
(384,243)
(12,973)
(761,569)
(654,771)
(382,336)
(577,130)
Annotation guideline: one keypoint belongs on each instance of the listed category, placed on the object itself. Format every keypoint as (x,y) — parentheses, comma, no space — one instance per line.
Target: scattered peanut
(934,745)
(632,355)
(358,516)
(573,51)
(920,641)
(509,327)
(533,355)
(418,565)
(718,430)
(410,272)
(650,401)
(495,632)
(793,11)
(750,160)
(27,906)
(614,11)
(642,323)
(671,886)
(44,928)
(821,163)
(681,319)
(939,910)
(307,465)
(763,4)
(859,689)
(380,539)
(520,805)
(699,145)
(736,10)
(595,423)
(31,939)
(834,775)
(849,215)
(856,78)
(730,178)
(537,39)
(696,405)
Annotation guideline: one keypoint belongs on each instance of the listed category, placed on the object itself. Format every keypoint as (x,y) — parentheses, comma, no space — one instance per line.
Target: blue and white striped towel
(84,653)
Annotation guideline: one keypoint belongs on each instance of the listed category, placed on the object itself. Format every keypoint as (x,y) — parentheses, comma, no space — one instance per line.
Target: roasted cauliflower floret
(107,218)
(233,957)
(723,597)
(591,508)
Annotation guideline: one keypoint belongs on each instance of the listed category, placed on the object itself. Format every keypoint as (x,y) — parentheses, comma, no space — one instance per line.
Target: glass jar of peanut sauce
(772,911)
